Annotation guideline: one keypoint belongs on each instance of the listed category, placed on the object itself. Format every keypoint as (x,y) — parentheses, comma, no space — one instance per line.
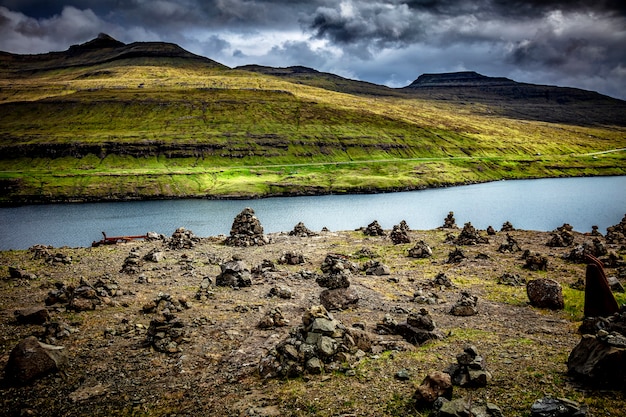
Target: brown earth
(112,372)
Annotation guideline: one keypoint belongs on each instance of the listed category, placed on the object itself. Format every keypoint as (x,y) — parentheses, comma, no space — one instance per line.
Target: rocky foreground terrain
(306,323)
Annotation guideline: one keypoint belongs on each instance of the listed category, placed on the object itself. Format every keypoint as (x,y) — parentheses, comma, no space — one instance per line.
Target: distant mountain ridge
(508,97)
(102,49)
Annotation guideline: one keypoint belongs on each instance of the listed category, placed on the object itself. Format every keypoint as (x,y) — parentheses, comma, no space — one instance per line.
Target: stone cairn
(535,262)
(470,236)
(491,231)
(373,267)
(301,230)
(291,258)
(132,263)
(456,256)
(420,250)
(246,230)
(617,233)
(272,319)
(44,253)
(469,371)
(514,280)
(511,245)
(562,237)
(507,227)
(601,352)
(320,344)
(466,305)
(418,328)
(449,222)
(337,271)
(235,274)
(580,253)
(374,229)
(182,239)
(400,233)
(166,332)
(86,296)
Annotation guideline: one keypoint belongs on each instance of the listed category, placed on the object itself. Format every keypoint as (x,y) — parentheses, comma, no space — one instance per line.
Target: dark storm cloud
(577,43)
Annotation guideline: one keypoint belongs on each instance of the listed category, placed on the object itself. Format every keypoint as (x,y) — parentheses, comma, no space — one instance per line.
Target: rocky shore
(450,322)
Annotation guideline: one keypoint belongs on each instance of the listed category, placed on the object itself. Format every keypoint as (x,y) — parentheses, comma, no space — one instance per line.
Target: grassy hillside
(135,123)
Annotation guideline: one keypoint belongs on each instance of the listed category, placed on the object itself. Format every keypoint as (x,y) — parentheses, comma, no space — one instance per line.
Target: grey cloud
(378,24)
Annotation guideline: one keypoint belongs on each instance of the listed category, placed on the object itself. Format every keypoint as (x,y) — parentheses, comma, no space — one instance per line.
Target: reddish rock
(436,384)
(599,299)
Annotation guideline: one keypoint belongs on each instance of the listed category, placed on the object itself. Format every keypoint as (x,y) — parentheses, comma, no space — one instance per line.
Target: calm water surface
(542,204)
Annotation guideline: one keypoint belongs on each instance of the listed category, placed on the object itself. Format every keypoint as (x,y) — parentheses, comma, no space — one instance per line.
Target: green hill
(110,121)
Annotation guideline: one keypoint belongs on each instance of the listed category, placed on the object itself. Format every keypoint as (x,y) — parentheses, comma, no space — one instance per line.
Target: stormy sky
(575,43)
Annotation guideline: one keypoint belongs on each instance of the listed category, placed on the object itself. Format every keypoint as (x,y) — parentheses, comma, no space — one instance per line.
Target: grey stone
(557,407)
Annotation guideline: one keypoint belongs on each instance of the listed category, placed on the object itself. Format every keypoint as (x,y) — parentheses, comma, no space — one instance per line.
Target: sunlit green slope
(151,120)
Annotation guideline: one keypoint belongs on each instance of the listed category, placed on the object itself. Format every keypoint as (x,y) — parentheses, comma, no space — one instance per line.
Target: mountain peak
(101,41)
(457,79)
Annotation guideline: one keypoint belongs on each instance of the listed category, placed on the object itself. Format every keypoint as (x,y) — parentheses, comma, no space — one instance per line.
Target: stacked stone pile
(535,261)
(455,256)
(166,332)
(82,298)
(132,263)
(469,371)
(511,245)
(337,271)
(466,305)
(511,279)
(204,291)
(617,233)
(182,239)
(291,258)
(507,227)
(377,268)
(320,344)
(418,328)
(562,236)
(594,248)
(420,250)
(272,319)
(301,230)
(247,230)
(400,234)
(235,273)
(449,222)
(374,229)
(470,236)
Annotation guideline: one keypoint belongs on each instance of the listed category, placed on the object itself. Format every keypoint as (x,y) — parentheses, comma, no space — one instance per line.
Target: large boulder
(600,360)
(545,293)
(32,359)
(338,298)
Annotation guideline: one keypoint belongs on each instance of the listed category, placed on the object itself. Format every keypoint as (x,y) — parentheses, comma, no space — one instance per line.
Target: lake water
(541,204)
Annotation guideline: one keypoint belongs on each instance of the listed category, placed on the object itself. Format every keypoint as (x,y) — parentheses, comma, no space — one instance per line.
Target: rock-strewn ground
(120,365)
